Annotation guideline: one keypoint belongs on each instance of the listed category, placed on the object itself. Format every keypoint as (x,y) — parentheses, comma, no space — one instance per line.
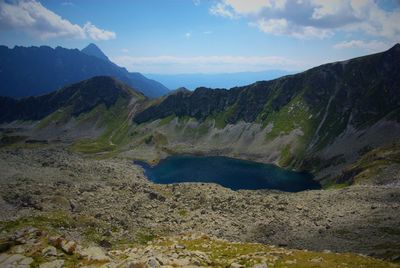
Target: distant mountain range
(32,71)
(221,80)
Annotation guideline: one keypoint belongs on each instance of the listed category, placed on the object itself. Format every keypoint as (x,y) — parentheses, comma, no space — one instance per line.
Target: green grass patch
(144,237)
(115,123)
(183,213)
(286,156)
(60,115)
(221,119)
(47,221)
(166,120)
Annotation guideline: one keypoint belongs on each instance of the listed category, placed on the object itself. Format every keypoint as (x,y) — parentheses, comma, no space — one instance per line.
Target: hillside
(94,113)
(21,77)
(326,116)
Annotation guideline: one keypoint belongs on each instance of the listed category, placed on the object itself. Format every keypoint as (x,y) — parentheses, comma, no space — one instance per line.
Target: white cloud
(373,45)
(284,27)
(253,6)
(207,32)
(188,34)
(206,64)
(196,2)
(32,17)
(221,9)
(97,34)
(314,18)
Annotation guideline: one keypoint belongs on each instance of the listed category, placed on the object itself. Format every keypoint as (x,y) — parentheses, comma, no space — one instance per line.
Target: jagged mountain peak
(93,50)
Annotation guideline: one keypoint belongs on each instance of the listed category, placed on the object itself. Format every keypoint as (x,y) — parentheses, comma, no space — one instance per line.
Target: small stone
(316,260)
(95,254)
(260,265)
(52,264)
(153,263)
(68,246)
(179,246)
(55,241)
(19,249)
(236,265)
(49,251)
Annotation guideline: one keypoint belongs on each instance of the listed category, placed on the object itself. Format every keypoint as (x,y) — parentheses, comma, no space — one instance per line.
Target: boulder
(68,246)
(94,254)
(49,251)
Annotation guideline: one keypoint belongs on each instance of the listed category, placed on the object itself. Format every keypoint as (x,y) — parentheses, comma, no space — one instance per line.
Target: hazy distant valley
(221,80)
(71,193)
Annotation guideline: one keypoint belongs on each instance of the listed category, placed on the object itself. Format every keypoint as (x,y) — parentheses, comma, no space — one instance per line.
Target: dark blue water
(228,172)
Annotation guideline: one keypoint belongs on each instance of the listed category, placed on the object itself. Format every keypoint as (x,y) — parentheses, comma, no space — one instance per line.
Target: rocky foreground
(61,209)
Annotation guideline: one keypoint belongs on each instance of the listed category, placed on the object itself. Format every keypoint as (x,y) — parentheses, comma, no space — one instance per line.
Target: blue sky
(213,36)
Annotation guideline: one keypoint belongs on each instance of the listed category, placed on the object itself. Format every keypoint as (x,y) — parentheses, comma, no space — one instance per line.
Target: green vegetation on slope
(115,123)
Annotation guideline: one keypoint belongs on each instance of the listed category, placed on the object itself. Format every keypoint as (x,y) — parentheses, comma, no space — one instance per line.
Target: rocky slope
(38,248)
(21,77)
(109,204)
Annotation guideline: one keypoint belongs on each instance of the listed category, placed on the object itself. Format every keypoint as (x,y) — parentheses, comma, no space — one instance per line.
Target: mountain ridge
(82,96)
(20,77)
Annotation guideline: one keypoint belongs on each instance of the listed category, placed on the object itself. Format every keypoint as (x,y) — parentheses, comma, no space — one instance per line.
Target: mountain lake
(232,173)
